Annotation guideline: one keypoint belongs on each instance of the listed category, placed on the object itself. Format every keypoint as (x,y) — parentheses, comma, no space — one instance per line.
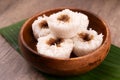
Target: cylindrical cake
(54,47)
(40,27)
(66,23)
(86,42)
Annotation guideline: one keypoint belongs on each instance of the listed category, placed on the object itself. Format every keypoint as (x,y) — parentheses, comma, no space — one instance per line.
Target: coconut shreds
(63,32)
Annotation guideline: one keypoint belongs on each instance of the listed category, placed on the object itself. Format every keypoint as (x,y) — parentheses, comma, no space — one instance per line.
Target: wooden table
(12,65)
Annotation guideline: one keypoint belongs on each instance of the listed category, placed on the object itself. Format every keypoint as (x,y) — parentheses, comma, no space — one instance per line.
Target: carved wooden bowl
(62,67)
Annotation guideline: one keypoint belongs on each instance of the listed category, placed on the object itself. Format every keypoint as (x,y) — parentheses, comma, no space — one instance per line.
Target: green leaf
(10,33)
(108,70)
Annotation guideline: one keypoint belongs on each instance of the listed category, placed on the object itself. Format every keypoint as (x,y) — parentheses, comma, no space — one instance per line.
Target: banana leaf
(109,69)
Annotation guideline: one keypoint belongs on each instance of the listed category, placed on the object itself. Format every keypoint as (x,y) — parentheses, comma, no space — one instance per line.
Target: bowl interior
(94,22)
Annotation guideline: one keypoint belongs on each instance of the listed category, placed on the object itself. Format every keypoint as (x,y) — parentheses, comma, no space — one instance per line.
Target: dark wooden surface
(12,65)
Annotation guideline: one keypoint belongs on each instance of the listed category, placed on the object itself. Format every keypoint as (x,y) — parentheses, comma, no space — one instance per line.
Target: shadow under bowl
(62,67)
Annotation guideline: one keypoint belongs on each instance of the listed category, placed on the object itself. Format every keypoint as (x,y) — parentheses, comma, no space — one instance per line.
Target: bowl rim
(64,59)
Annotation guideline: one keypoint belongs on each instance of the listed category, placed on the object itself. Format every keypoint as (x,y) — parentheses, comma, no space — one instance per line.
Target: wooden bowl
(63,67)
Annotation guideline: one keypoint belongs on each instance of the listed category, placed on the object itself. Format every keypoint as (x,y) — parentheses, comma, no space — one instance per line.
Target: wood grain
(12,65)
